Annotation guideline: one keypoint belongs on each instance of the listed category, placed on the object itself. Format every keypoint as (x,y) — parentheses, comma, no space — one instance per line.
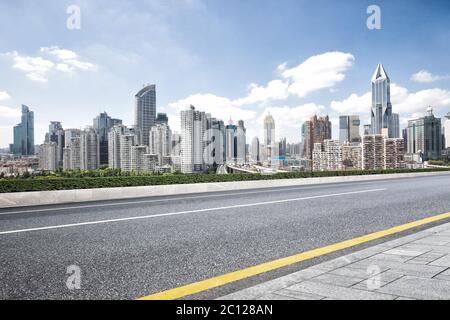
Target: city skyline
(60,70)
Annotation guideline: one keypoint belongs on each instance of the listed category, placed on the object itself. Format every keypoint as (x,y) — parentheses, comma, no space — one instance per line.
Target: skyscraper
(230,142)
(447,131)
(425,136)
(241,143)
(349,129)
(102,124)
(193,127)
(145,112)
(270,147)
(24,134)
(381,111)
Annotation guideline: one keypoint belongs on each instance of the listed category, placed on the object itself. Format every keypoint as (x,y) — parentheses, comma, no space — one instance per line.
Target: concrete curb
(23,199)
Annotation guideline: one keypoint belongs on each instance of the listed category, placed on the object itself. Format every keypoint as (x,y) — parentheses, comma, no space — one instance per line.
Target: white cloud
(354,104)
(318,72)
(407,103)
(7,112)
(4,96)
(39,68)
(275,90)
(424,76)
(220,107)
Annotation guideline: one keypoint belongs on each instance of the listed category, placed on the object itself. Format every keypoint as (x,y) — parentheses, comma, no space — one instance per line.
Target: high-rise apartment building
(89,149)
(127,141)
(161,141)
(145,112)
(327,156)
(114,138)
(193,127)
(349,129)
(24,134)
(48,156)
(138,158)
(425,136)
(351,157)
(381,152)
(72,150)
(317,130)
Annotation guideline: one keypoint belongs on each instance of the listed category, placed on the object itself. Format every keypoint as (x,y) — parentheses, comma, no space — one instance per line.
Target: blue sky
(239,59)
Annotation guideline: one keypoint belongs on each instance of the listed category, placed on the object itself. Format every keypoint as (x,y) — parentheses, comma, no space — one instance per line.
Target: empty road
(132,248)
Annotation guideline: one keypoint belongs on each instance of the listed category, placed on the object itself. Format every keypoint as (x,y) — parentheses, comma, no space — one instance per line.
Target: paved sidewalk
(409,268)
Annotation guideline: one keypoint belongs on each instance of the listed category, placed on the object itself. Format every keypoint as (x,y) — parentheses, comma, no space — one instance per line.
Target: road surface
(132,248)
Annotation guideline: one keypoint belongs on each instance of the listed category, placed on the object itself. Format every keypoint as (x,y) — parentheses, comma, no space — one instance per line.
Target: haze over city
(293,59)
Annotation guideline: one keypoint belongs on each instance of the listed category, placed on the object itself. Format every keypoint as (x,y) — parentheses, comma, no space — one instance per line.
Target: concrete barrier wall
(23,199)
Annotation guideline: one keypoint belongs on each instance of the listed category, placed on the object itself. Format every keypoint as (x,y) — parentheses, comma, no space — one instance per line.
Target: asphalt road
(131,248)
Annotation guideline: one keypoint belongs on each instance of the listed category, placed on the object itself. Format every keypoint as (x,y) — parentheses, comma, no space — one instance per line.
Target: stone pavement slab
(414,267)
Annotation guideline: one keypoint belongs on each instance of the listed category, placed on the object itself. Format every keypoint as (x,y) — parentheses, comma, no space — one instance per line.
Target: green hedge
(56,183)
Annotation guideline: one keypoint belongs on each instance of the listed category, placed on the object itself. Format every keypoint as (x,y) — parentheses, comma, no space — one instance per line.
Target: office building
(425,137)
(102,124)
(349,129)
(24,134)
(381,110)
(241,143)
(255,155)
(162,118)
(56,134)
(145,113)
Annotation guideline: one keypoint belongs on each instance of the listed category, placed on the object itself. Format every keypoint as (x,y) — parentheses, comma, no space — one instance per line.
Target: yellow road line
(207,284)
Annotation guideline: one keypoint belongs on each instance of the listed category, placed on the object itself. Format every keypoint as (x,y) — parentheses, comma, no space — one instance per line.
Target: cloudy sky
(232,58)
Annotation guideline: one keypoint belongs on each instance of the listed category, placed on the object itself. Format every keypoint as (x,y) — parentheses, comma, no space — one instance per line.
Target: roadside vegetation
(108,178)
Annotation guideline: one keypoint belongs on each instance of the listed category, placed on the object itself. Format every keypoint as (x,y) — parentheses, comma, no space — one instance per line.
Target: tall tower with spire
(381,111)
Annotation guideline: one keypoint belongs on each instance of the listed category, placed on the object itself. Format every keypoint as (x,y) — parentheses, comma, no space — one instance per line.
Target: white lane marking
(186,212)
(177,199)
